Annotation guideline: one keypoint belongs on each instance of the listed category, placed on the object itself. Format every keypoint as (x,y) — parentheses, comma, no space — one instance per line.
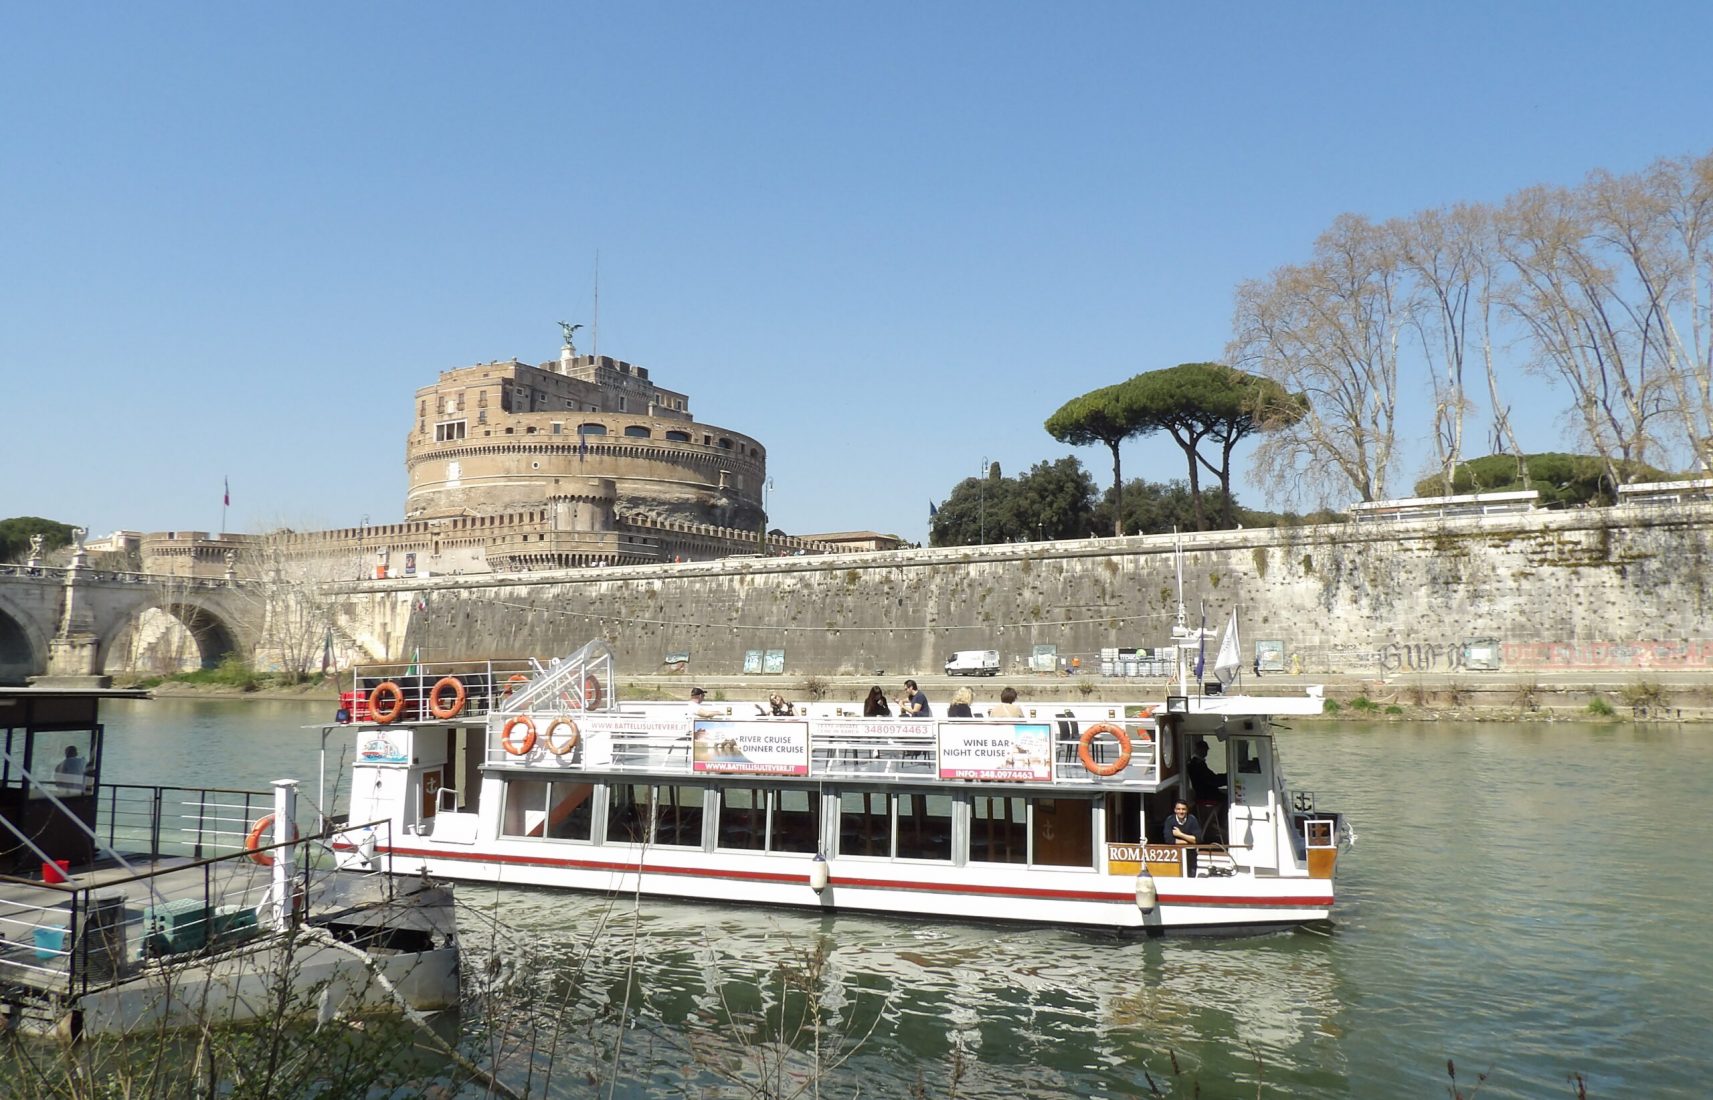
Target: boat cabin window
(678,815)
(559,811)
(628,810)
(1247,754)
(999,829)
(901,825)
(770,819)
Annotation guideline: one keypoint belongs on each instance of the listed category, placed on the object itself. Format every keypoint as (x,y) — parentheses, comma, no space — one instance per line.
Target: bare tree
(291,578)
(1445,252)
(1580,325)
(1330,330)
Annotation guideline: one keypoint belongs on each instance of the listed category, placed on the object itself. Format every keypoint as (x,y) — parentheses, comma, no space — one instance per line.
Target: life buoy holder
(385,714)
(592,694)
(511,684)
(554,747)
(1086,755)
(447,710)
(518,748)
(254,840)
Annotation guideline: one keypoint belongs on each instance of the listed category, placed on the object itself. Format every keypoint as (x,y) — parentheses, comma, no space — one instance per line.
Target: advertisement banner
(1020,752)
(752,748)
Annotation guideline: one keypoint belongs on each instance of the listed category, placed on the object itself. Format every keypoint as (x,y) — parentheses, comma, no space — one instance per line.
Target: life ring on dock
(512,683)
(1085,754)
(254,840)
(448,710)
(519,748)
(570,742)
(592,694)
(386,689)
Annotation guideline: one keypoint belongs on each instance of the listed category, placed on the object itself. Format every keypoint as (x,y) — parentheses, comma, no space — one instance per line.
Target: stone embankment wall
(1614,589)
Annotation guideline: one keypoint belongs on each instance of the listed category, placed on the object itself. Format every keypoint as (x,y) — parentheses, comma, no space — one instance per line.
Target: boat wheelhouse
(1051,818)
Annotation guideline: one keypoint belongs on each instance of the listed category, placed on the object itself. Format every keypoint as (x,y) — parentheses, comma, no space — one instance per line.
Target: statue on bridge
(36,542)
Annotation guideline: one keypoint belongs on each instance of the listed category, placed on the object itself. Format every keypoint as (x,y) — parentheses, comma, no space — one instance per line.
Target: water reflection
(1041,1011)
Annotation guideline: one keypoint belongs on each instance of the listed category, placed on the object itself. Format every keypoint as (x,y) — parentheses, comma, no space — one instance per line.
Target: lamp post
(981,500)
(766,488)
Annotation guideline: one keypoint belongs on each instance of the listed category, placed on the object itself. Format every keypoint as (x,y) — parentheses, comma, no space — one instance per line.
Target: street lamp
(766,517)
(981,500)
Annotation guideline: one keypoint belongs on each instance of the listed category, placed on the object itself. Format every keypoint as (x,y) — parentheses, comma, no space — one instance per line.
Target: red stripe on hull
(1126,897)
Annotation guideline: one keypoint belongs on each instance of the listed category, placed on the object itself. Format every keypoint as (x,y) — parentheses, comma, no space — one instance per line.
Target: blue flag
(932,511)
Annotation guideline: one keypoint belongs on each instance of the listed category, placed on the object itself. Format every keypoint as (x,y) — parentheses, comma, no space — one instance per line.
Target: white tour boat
(1054,817)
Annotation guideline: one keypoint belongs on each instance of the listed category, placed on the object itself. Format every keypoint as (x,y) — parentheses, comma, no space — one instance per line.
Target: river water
(1525,899)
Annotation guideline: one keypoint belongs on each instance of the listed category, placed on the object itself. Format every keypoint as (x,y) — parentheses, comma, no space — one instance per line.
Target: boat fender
(820,873)
(254,840)
(447,710)
(556,748)
(1147,894)
(1086,755)
(518,748)
(366,847)
(386,712)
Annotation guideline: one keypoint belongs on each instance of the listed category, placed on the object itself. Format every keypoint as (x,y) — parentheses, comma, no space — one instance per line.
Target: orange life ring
(385,715)
(1087,757)
(570,742)
(515,748)
(592,694)
(512,683)
(254,840)
(458,696)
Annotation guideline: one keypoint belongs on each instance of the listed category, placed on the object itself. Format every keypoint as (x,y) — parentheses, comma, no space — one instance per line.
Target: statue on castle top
(570,330)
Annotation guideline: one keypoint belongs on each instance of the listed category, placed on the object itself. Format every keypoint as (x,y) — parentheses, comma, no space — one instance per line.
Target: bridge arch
(200,633)
(23,645)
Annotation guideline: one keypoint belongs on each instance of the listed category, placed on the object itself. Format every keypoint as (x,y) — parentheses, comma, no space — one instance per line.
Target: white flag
(1226,664)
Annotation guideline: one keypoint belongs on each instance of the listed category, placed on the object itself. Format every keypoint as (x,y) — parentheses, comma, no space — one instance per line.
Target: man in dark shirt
(1181,827)
(913,703)
(1209,785)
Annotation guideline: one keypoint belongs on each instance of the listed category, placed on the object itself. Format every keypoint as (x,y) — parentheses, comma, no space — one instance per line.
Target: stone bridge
(62,622)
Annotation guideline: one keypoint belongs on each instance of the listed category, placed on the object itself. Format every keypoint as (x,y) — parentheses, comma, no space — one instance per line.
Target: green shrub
(1364,704)
(1599,707)
(1331,707)
(1394,709)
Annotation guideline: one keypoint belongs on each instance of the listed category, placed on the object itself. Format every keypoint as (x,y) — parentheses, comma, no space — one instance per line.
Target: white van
(973,662)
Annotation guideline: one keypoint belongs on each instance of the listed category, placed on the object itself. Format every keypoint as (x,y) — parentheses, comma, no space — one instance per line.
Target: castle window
(621,402)
(637,431)
(678,437)
(726,443)
(591,429)
(558,427)
(449,431)
(482,399)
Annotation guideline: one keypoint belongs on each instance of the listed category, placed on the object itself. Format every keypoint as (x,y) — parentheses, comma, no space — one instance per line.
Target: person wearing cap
(699,707)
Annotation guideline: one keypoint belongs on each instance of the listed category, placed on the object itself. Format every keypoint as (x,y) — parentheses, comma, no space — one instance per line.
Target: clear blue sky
(885,239)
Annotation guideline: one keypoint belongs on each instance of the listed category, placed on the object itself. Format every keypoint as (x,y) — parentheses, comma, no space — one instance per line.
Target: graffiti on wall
(1422,657)
(1690,653)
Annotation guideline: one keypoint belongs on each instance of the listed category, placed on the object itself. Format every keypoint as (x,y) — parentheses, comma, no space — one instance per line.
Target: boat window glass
(1061,833)
(571,811)
(865,824)
(1124,820)
(796,821)
(924,826)
(526,808)
(678,816)
(1247,754)
(628,808)
(998,829)
(743,818)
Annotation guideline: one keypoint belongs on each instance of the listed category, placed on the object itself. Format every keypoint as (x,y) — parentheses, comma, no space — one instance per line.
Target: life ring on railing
(1087,757)
(592,694)
(386,689)
(512,683)
(570,742)
(450,710)
(254,840)
(518,748)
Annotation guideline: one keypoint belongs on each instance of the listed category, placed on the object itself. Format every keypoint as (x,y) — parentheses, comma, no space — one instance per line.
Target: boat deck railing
(111,921)
(487,685)
(846,748)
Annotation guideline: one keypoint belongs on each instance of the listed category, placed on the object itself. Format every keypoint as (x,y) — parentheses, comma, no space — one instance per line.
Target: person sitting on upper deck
(778,707)
(1007,706)
(876,706)
(1181,828)
(698,706)
(913,703)
(1209,785)
(961,700)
